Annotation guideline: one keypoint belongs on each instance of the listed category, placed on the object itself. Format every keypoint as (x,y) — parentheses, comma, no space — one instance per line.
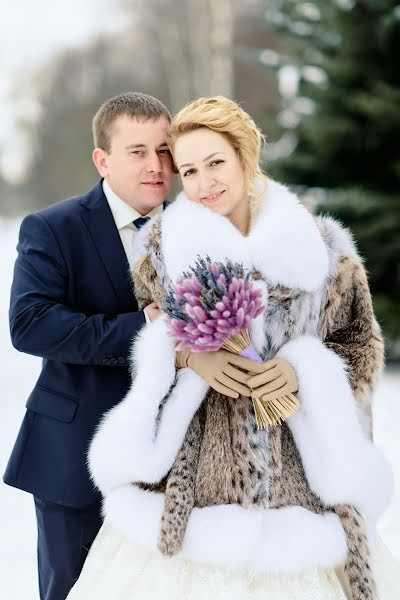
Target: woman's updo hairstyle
(226,117)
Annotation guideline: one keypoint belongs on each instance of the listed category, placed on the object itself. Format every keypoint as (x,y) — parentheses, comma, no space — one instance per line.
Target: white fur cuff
(341,463)
(138,439)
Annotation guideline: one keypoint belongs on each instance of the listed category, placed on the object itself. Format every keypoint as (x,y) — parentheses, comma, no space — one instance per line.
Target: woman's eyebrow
(204,159)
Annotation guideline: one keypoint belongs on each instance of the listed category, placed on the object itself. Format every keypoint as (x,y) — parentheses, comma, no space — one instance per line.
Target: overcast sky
(30,33)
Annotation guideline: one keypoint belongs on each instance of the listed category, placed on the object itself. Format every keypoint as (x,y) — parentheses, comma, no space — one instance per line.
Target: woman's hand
(275,379)
(223,370)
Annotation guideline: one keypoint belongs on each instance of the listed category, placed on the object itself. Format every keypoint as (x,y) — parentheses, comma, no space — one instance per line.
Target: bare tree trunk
(199,35)
(195,45)
(221,39)
(166,26)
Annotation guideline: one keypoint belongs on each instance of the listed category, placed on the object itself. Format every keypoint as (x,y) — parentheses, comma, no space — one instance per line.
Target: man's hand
(153,311)
(275,379)
(222,370)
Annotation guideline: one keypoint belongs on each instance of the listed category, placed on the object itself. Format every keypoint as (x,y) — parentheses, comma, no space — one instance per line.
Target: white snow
(18,579)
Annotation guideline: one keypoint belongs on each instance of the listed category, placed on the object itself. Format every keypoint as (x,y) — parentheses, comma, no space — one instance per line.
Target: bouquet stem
(274,412)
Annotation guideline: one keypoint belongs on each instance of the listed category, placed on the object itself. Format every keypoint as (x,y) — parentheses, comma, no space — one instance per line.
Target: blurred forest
(347,146)
(175,51)
(320,78)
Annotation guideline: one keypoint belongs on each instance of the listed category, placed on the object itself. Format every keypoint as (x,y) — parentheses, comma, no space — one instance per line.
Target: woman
(199,502)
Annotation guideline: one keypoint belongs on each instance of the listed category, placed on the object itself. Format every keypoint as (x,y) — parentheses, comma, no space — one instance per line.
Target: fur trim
(284,540)
(256,328)
(358,561)
(139,247)
(341,464)
(284,243)
(338,239)
(180,495)
(127,445)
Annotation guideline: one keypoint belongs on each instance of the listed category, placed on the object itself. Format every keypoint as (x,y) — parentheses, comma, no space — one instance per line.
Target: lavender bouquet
(210,307)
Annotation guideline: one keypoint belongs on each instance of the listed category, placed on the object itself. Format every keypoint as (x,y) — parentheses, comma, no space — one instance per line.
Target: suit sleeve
(43,325)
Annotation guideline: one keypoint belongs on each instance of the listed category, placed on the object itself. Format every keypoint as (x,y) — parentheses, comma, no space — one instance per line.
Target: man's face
(138,167)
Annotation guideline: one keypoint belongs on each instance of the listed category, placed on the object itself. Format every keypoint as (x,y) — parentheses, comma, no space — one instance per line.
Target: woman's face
(211,171)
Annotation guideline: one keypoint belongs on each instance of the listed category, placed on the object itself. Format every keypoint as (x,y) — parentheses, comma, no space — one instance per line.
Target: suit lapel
(104,233)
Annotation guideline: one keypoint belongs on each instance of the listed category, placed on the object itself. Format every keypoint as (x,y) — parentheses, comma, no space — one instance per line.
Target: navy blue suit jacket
(72,303)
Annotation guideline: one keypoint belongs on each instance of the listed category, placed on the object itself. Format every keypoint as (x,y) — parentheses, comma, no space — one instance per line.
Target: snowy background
(18,580)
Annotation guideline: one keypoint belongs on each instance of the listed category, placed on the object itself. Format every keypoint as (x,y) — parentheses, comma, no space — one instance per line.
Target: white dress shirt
(124,215)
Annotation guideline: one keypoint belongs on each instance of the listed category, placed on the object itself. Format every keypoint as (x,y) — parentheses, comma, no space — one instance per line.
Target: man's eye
(165,151)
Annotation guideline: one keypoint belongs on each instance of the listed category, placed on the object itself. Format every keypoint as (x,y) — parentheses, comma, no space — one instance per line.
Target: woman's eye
(189,172)
(218,161)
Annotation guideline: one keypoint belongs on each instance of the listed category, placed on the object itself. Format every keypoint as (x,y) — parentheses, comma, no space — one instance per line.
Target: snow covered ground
(18,580)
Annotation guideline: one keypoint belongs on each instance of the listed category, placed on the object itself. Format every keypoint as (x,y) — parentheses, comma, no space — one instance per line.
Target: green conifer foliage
(346,53)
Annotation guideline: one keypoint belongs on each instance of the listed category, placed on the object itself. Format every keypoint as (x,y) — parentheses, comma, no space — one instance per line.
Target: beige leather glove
(220,369)
(276,378)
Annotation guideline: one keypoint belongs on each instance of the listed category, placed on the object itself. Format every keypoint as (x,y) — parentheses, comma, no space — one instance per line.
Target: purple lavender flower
(210,303)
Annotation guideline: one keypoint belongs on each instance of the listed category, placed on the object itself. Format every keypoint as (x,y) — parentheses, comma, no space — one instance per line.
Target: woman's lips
(213,197)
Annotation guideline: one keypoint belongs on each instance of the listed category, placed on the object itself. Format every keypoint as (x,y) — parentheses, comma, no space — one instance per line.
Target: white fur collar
(284,243)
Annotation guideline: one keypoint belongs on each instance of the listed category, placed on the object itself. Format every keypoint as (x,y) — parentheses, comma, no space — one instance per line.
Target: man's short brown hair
(134,104)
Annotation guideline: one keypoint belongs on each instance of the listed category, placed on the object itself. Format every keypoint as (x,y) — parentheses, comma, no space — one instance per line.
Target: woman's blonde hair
(226,117)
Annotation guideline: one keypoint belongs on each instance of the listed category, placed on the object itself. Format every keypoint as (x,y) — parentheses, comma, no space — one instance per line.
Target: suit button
(113,361)
(106,361)
(121,360)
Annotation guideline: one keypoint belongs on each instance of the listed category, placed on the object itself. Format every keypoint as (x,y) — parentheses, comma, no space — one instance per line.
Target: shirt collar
(121,211)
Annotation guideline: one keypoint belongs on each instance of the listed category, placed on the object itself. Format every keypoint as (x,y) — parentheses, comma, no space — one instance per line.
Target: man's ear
(99,157)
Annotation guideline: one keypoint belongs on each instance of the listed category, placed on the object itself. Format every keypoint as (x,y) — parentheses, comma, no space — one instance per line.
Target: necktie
(138,223)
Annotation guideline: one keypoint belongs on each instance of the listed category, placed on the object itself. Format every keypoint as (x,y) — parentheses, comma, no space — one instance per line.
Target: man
(72,304)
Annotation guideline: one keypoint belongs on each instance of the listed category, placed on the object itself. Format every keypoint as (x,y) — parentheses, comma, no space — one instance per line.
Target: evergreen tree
(345,52)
